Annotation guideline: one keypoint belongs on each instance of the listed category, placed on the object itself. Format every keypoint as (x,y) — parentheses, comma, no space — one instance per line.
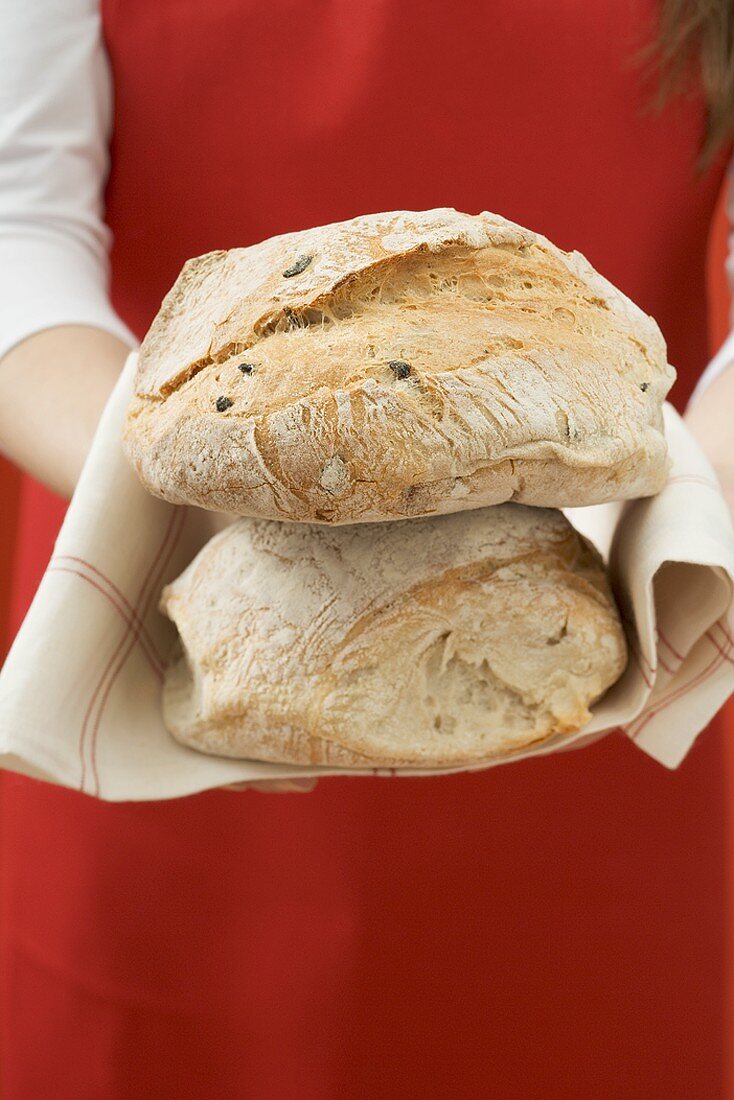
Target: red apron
(553,929)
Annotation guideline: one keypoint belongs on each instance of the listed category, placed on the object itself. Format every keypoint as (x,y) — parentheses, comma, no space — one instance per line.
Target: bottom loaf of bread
(432,642)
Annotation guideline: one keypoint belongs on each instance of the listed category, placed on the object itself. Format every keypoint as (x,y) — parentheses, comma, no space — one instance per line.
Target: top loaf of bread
(396,365)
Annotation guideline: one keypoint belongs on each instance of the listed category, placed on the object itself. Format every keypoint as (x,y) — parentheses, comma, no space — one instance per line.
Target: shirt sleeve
(55,120)
(725,355)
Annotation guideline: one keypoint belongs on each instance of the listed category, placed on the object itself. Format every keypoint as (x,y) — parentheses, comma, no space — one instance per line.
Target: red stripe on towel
(133,638)
(120,645)
(155,662)
(118,594)
(721,656)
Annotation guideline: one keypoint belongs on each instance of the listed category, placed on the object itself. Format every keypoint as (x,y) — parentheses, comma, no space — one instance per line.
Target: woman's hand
(711,419)
(53,387)
(275,786)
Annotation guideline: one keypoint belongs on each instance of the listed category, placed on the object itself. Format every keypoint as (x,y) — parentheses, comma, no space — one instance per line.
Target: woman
(548,930)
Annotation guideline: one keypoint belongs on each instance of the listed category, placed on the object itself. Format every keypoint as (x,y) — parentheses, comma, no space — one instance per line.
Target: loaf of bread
(434,642)
(398,365)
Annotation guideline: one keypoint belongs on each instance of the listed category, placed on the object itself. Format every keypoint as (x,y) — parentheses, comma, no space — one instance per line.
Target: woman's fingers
(275,786)
(283,786)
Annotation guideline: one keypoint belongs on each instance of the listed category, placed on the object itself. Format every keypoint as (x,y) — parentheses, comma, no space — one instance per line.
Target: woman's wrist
(711,419)
(53,387)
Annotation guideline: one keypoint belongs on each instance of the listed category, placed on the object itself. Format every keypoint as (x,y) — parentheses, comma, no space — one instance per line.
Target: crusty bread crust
(398,365)
(431,643)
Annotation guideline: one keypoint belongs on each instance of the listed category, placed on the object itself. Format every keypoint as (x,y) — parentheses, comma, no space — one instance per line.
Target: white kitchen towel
(80,690)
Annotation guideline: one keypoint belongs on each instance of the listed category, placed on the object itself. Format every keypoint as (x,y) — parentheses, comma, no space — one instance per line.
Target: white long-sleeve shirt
(55,121)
